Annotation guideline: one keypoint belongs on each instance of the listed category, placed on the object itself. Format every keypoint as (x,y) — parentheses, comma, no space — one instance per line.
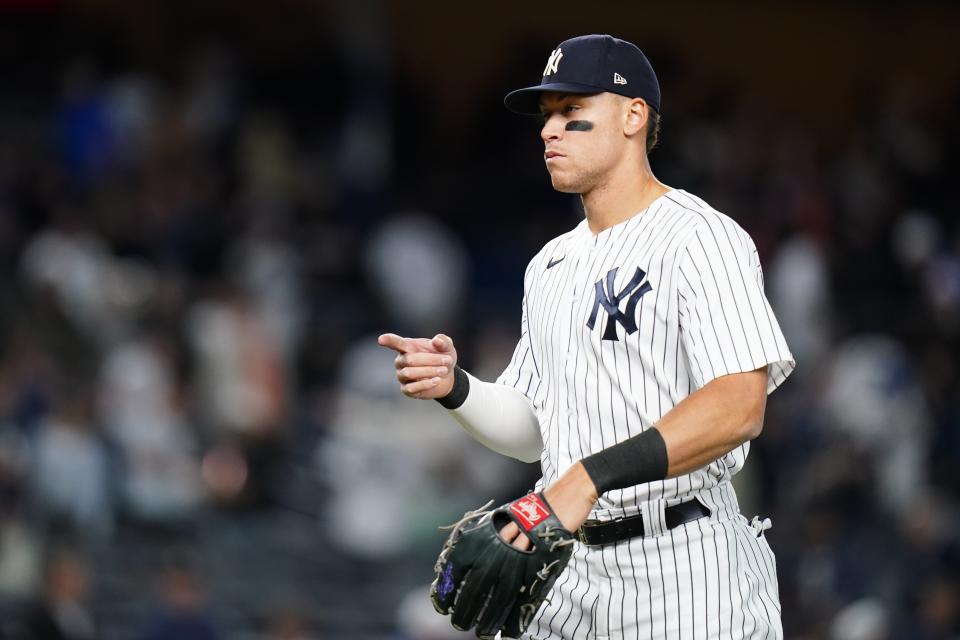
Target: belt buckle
(581,535)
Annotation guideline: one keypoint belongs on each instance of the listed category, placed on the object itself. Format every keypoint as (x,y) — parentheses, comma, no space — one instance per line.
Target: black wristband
(640,459)
(457,395)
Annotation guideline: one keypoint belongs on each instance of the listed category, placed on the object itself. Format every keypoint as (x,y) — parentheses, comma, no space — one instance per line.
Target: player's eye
(571,107)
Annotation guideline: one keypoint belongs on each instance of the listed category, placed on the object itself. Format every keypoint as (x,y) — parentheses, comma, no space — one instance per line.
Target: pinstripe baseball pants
(712,578)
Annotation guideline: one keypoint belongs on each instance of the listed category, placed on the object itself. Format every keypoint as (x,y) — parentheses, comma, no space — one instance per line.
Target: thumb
(442,343)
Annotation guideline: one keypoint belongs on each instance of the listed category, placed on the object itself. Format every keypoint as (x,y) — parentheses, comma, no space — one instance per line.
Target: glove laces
(469,515)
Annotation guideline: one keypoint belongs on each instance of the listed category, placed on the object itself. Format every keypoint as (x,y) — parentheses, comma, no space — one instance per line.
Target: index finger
(393,341)
(522,542)
(510,531)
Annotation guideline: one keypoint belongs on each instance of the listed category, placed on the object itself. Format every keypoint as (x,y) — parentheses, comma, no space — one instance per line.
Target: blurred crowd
(194,269)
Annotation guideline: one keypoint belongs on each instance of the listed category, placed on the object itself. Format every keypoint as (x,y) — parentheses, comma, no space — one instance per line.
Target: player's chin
(564,183)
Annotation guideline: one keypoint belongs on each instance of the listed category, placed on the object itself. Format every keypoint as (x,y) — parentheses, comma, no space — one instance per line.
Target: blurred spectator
(19,559)
(181,612)
(875,400)
(98,292)
(415,244)
(418,620)
(270,272)
(63,612)
(239,367)
(241,384)
(938,601)
(798,285)
(72,467)
(143,415)
(862,620)
(87,135)
(288,621)
(19,553)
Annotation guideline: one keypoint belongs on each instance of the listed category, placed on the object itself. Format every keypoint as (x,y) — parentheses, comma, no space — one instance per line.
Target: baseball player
(647,351)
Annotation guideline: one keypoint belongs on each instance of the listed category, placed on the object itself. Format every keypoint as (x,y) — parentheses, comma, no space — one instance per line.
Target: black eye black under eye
(579,125)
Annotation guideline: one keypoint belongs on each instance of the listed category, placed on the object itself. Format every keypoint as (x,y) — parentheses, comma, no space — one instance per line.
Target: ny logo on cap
(553,61)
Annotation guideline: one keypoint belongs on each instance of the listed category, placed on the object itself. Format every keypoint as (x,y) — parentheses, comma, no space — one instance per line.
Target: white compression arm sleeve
(501,419)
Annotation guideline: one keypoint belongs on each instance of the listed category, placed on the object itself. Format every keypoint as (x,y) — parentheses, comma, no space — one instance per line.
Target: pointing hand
(424,365)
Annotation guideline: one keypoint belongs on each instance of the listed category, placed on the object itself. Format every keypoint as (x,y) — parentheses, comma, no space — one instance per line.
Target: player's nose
(552,129)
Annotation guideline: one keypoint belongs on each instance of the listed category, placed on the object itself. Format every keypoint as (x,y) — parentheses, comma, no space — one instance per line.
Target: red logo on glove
(530,511)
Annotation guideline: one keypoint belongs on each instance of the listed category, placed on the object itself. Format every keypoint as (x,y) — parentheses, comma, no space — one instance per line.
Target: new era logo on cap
(591,64)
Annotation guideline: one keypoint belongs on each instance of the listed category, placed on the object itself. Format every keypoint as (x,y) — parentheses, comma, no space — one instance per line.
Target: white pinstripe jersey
(619,327)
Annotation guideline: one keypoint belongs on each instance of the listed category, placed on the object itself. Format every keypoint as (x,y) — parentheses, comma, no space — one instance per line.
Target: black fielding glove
(482,581)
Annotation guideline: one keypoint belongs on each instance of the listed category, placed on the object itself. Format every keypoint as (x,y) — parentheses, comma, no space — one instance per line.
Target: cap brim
(526,101)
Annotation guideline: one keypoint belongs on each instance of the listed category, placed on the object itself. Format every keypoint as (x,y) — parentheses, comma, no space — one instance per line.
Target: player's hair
(653,129)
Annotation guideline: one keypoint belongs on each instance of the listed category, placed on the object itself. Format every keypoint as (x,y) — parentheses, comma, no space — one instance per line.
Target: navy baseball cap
(591,64)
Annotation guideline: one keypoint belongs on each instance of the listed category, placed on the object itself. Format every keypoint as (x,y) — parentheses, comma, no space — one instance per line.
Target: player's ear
(635,117)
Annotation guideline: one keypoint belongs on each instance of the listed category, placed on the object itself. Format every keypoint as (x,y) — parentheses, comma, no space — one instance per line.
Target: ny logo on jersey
(611,303)
(553,62)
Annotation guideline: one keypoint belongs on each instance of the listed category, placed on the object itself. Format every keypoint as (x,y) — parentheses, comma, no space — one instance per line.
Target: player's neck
(620,199)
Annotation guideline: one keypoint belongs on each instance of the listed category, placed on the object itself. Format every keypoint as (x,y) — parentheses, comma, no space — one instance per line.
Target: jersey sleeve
(726,322)
(522,373)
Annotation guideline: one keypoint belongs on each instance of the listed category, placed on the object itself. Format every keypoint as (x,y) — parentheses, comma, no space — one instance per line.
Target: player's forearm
(714,420)
(500,418)
(707,424)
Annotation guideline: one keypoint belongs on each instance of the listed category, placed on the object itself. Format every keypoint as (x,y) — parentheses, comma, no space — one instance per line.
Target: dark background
(209,210)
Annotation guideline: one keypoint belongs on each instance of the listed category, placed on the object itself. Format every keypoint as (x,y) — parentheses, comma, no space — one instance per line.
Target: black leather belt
(596,532)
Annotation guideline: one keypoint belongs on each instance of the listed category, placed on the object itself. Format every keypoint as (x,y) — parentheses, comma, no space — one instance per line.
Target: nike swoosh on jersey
(555,261)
